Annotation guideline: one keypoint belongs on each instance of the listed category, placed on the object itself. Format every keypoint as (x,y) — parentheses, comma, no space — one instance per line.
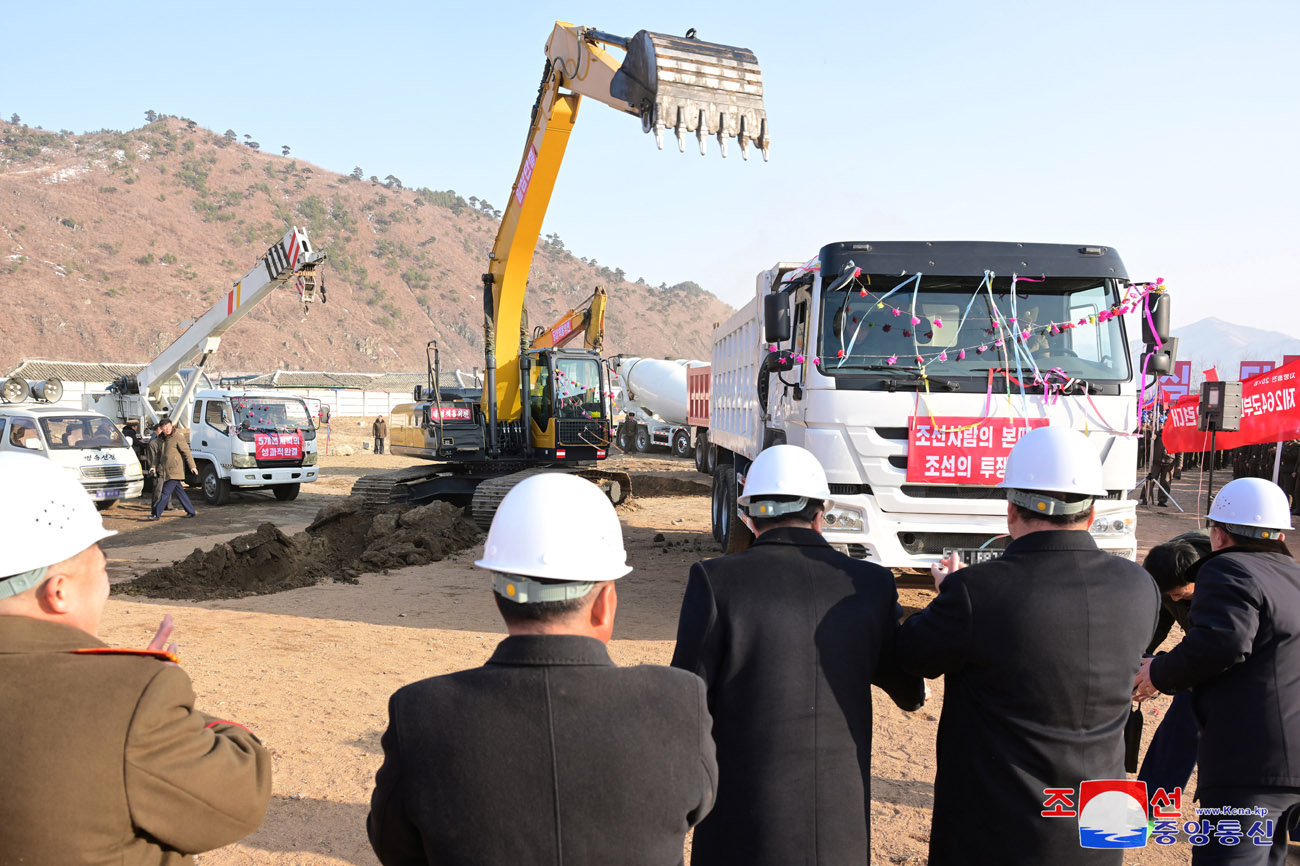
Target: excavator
(546,406)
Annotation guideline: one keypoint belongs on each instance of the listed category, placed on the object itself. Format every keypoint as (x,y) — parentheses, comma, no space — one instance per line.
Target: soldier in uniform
(106,760)
(549,753)
(1038,649)
(789,636)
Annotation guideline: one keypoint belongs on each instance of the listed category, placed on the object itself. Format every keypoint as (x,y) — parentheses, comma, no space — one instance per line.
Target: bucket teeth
(694,86)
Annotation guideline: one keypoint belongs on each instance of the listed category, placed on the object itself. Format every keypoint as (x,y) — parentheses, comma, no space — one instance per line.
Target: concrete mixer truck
(653,394)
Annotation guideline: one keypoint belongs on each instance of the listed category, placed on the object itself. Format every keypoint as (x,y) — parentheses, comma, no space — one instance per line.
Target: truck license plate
(972,555)
(109,493)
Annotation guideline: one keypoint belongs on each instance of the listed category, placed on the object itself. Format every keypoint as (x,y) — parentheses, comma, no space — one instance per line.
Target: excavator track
(411,486)
(488,495)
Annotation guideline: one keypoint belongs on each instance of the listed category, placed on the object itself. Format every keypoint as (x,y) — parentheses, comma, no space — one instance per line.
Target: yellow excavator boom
(587,319)
(670,83)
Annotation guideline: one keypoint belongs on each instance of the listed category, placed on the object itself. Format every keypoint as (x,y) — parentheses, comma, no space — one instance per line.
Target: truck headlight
(243,461)
(1112,525)
(309,459)
(133,470)
(841,519)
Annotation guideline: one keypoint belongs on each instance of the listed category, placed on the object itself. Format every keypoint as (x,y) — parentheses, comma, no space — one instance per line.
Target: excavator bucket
(690,86)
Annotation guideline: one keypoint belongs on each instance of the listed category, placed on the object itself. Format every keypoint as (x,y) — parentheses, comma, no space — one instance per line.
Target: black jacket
(1242,655)
(789,636)
(548,754)
(1039,649)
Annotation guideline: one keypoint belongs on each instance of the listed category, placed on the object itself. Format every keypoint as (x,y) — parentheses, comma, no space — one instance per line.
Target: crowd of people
(758,735)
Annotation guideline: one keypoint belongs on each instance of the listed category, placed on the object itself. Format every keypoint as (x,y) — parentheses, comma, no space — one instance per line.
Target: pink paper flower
(892,359)
(961,356)
(817,362)
(943,356)
(938,322)
(898,312)
(915,320)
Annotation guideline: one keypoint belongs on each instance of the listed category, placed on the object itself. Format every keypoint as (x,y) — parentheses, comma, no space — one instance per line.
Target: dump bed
(697,396)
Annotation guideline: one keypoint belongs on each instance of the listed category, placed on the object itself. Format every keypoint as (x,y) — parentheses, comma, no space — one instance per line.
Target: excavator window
(578,389)
(539,389)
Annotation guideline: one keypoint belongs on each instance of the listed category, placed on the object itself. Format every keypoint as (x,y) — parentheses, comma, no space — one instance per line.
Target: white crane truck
(909,369)
(240,438)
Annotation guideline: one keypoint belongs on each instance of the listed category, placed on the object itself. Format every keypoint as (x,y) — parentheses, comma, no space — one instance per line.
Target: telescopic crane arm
(291,257)
(669,82)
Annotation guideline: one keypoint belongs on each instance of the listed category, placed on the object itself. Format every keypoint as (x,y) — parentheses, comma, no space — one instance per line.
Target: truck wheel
(718,513)
(105,504)
(642,440)
(710,459)
(701,454)
(286,492)
(216,490)
(682,443)
(624,438)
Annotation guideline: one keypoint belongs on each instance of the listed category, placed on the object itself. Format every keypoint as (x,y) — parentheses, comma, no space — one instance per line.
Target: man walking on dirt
(380,429)
(549,753)
(789,636)
(158,467)
(1038,650)
(175,458)
(106,759)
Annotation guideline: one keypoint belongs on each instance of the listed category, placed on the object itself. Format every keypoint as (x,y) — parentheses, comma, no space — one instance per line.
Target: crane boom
(291,257)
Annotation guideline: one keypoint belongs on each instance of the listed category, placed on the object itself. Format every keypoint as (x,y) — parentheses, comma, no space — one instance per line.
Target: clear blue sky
(1167,130)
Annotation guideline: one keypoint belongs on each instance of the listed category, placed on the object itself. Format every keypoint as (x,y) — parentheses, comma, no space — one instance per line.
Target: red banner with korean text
(1270,412)
(277,446)
(952,450)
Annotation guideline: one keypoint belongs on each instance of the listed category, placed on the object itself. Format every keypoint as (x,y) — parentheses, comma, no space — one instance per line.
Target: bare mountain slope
(111,243)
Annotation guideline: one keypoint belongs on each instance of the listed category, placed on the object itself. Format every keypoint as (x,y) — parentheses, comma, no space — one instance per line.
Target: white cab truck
(87,444)
(909,368)
(251,440)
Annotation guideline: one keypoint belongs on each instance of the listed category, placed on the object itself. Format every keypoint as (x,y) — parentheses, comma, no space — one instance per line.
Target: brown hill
(111,243)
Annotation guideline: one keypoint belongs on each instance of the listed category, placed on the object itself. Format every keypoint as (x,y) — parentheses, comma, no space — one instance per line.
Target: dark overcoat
(1242,654)
(1038,650)
(548,754)
(106,760)
(790,635)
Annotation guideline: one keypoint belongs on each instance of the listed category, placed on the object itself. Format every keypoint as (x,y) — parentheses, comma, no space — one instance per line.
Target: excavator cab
(568,405)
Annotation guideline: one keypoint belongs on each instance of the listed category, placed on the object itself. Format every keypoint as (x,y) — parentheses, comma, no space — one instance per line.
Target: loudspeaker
(1220,406)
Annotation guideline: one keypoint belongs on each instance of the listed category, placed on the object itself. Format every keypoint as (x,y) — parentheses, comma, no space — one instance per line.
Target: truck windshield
(577,388)
(270,414)
(874,335)
(79,431)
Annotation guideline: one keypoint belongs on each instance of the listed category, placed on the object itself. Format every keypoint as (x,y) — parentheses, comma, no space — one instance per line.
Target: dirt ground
(310,670)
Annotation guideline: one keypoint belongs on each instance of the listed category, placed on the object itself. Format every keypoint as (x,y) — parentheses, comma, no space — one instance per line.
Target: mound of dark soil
(346,539)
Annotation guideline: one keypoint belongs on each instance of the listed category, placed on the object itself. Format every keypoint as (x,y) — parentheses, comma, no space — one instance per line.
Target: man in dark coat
(380,429)
(1038,649)
(107,762)
(548,754)
(175,458)
(789,637)
(1241,658)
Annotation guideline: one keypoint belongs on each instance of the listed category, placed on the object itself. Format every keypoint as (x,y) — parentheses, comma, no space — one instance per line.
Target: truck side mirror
(1159,305)
(776,318)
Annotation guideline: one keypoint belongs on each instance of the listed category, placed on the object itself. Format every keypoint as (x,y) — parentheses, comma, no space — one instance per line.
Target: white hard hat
(1252,507)
(48,517)
(1053,460)
(783,470)
(557,527)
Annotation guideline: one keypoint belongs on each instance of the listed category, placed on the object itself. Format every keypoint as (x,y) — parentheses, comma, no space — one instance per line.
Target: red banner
(1270,412)
(277,446)
(1251,369)
(1177,385)
(951,450)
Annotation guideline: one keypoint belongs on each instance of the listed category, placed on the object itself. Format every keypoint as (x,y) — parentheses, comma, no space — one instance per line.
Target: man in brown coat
(176,458)
(106,760)
(380,429)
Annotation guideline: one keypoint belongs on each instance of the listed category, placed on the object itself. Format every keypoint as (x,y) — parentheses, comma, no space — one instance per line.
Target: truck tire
(724,485)
(739,538)
(641,442)
(710,459)
(624,438)
(286,492)
(105,504)
(216,490)
(682,443)
(702,453)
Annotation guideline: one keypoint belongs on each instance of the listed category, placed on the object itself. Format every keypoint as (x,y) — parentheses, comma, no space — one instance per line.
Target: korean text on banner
(1269,413)
(278,446)
(952,450)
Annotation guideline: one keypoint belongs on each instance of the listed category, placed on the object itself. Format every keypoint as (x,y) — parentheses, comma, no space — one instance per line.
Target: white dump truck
(653,394)
(910,368)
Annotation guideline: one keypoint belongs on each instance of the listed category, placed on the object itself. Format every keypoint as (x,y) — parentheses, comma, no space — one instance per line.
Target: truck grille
(925,543)
(593,433)
(103,472)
